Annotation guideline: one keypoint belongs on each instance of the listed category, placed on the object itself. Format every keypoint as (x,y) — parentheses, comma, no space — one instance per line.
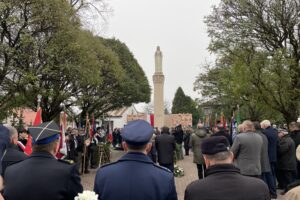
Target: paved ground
(181,183)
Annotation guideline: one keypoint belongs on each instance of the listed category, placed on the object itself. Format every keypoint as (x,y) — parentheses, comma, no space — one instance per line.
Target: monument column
(158,82)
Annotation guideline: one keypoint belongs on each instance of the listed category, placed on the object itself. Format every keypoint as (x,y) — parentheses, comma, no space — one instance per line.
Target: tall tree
(262,38)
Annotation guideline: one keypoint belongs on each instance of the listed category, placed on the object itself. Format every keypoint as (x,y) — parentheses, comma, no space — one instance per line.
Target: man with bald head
(11,154)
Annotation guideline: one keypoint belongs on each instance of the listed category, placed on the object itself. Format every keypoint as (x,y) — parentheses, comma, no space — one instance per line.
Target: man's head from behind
(216,150)
(13,134)
(137,136)
(248,126)
(294,126)
(265,124)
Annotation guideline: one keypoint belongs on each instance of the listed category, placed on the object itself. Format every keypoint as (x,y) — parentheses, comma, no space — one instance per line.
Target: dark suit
(41,176)
(12,155)
(134,177)
(165,146)
(273,140)
(224,181)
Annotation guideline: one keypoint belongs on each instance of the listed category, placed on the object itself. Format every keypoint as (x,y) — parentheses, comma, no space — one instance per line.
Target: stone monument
(158,81)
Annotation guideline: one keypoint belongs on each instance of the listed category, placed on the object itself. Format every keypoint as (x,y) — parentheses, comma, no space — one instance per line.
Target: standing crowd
(251,165)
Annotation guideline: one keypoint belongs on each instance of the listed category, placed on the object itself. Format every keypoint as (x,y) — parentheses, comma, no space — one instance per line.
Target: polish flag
(37,121)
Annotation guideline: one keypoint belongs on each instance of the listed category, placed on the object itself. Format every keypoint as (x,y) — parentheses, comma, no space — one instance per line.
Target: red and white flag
(37,121)
(62,152)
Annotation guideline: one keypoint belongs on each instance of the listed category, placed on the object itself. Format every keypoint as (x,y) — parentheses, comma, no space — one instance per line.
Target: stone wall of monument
(135,117)
(171,120)
(184,119)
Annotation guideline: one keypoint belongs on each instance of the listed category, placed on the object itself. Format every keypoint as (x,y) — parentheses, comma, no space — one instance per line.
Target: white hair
(265,123)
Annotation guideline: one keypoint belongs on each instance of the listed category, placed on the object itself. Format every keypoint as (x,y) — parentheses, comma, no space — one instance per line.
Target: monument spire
(158,81)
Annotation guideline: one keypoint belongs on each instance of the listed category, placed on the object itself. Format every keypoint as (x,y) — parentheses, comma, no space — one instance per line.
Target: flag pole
(84,145)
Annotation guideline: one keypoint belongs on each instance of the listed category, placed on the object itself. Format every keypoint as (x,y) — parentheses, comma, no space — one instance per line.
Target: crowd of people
(258,160)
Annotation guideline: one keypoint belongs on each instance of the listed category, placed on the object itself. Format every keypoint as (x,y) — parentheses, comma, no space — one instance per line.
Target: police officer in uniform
(42,176)
(135,176)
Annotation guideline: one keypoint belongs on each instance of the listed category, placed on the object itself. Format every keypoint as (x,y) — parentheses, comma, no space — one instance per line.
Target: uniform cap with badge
(215,144)
(137,132)
(44,133)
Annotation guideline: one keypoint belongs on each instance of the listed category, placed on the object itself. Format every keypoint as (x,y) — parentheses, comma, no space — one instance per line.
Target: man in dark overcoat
(165,147)
(223,180)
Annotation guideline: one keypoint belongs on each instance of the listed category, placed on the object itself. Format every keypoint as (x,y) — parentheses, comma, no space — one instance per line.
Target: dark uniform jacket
(41,177)
(224,182)
(286,154)
(165,146)
(272,137)
(134,177)
(11,155)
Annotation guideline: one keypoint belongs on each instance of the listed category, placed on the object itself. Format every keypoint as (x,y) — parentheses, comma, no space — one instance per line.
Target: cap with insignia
(44,133)
(214,144)
(137,132)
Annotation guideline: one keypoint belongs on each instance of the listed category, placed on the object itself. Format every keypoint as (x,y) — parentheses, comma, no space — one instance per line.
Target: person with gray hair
(11,154)
(273,140)
(247,148)
(266,174)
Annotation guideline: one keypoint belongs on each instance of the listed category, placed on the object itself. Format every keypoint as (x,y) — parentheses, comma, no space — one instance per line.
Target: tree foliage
(185,104)
(257,44)
(44,50)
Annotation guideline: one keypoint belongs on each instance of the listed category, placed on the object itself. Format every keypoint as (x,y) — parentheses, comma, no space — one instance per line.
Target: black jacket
(41,176)
(165,146)
(12,155)
(178,134)
(273,139)
(295,135)
(286,154)
(223,133)
(224,182)
(186,139)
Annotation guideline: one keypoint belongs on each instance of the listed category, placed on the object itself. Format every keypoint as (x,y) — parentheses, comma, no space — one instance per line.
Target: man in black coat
(286,163)
(273,139)
(12,154)
(42,176)
(178,134)
(219,130)
(165,146)
(223,180)
(294,128)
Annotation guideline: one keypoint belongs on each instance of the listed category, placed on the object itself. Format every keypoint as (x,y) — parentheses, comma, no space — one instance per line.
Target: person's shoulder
(256,182)
(195,185)
(109,167)
(162,169)
(66,162)
(15,153)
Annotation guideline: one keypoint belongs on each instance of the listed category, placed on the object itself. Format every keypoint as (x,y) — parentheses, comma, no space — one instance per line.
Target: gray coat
(195,143)
(247,149)
(265,164)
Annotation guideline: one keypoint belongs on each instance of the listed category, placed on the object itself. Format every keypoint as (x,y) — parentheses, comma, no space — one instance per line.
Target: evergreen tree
(185,104)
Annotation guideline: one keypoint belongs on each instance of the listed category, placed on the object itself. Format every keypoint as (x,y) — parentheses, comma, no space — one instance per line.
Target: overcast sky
(176,26)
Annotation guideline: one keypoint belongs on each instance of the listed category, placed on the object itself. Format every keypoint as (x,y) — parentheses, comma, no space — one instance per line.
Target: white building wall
(119,122)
